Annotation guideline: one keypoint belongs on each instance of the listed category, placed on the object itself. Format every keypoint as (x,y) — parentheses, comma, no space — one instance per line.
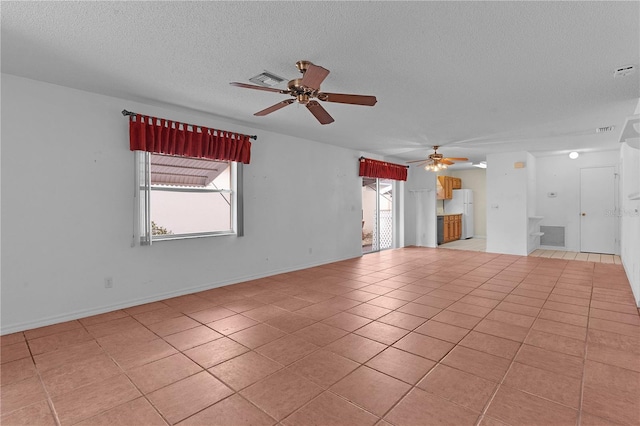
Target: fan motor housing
(301,93)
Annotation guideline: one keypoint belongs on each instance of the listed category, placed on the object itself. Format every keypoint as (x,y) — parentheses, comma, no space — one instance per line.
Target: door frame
(375,245)
(614,212)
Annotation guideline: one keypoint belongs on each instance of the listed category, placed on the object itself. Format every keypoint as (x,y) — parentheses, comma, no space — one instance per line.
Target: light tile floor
(572,255)
(480,244)
(414,336)
(473,244)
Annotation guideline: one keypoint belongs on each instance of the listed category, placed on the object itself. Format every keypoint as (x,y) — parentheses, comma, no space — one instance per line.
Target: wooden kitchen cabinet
(457,227)
(445,189)
(447,232)
(456,183)
(452,227)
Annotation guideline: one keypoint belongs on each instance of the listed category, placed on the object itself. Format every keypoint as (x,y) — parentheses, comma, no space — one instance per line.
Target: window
(183,197)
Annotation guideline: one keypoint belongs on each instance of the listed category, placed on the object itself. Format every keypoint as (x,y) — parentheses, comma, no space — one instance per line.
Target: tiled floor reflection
(413,336)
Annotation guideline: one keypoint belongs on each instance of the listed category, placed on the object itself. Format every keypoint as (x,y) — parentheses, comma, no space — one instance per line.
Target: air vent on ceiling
(605,129)
(266,79)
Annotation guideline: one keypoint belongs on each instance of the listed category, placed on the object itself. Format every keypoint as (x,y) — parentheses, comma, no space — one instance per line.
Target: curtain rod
(381,161)
(125,113)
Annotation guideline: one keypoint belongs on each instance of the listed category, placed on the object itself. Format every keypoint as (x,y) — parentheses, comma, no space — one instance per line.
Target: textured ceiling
(476,77)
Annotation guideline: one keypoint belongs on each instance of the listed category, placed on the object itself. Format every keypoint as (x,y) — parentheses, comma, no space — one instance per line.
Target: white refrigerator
(462,202)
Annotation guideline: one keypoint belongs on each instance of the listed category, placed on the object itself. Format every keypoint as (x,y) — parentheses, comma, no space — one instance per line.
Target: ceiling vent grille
(605,129)
(266,79)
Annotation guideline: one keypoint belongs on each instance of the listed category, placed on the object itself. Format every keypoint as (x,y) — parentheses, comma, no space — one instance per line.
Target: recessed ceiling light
(573,155)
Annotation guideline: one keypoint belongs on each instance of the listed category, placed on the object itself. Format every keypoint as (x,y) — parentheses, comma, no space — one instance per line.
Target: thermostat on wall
(552,194)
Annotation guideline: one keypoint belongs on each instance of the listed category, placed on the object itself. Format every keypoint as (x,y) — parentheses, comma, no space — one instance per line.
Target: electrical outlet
(108,282)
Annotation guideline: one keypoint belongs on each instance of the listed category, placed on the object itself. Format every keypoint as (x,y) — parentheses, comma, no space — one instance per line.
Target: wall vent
(553,236)
(605,129)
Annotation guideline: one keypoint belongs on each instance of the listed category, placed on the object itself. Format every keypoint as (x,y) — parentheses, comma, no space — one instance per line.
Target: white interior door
(597,210)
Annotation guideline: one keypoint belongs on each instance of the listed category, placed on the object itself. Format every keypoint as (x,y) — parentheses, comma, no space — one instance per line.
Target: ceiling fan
(436,161)
(306,89)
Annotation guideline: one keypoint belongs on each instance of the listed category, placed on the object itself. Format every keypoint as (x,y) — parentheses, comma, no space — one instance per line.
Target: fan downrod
(303,65)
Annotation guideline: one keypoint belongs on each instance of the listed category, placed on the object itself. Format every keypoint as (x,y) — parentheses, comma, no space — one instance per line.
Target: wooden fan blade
(344,98)
(447,162)
(251,86)
(319,112)
(456,159)
(275,107)
(314,76)
(418,161)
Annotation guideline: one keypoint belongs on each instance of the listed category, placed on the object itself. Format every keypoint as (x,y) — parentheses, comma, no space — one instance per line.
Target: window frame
(142,203)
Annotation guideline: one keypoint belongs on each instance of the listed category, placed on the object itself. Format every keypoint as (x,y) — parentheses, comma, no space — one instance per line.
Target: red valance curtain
(163,136)
(382,169)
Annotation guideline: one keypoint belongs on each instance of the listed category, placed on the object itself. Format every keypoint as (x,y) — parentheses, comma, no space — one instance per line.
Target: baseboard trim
(55,319)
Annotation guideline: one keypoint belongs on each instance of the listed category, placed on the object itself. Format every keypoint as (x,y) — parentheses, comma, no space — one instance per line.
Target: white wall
(630,214)
(476,180)
(507,204)
(67,209)
(533,241)
(561,175)
(420,208)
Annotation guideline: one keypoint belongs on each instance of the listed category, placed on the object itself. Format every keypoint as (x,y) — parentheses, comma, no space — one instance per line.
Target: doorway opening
(377,214)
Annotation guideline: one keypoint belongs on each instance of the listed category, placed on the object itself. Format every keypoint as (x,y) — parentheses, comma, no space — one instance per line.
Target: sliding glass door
(377,214)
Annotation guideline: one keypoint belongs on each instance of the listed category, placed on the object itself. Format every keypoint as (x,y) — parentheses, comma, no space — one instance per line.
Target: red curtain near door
(382,169)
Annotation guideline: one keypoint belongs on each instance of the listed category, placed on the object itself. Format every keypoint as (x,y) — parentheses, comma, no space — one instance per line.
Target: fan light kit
(434,167)
(304,90)
(436,162)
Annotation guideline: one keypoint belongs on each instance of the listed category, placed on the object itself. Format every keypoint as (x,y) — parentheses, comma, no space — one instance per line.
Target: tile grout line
(442,286)
(584,358)
(412,386)
(126,374)
(495,391)
(415,386)
(49,400)
(513,360)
